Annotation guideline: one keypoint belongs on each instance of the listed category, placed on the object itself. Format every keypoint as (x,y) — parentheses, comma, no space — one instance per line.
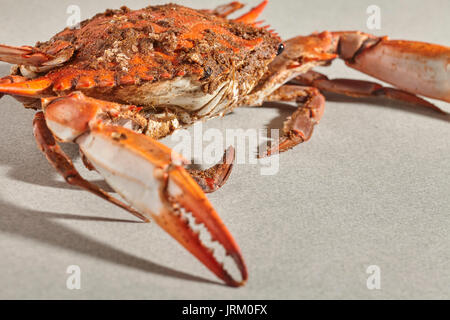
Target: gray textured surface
(371,187)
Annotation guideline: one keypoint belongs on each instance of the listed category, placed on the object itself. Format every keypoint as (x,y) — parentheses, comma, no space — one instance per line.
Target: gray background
(370,188)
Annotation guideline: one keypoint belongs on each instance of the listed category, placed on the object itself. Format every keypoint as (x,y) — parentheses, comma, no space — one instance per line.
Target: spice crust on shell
(157,43)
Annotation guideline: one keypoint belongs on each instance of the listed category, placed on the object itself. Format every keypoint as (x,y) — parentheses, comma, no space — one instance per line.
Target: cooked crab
(127,78)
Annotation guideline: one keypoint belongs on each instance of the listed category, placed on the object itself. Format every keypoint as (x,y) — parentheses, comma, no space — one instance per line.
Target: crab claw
(152,179)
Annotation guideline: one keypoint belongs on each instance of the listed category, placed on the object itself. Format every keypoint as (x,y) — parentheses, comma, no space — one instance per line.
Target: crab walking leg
(300,125)
(415,67)
(252,15)
(33,60)
(62,163)
(23,55)
(148,175)
(28,101)
(360,89)
(30,88)
(214,178)
(11,79)
(225,10)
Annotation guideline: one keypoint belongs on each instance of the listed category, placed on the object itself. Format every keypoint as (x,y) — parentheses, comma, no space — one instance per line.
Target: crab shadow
(43,227)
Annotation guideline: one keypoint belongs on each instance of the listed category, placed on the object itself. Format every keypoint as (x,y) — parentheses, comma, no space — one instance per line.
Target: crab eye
(207,73)
(280,49)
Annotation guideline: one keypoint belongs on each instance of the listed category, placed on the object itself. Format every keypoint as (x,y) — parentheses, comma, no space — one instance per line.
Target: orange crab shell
(124,47)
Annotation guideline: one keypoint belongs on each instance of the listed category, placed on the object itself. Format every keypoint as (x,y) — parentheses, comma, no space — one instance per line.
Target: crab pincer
(149,176)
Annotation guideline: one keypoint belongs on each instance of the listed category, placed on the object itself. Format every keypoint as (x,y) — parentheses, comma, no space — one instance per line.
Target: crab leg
(214,178)
(11,79)
(62,163)
(149,176)
(60,52)
(225,10)
(17,86)
(299,127)
(25,55)
(252,15)
(32,61)
(360,89)
(415,67)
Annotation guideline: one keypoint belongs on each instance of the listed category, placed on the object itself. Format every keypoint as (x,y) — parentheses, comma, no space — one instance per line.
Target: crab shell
(168,57)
